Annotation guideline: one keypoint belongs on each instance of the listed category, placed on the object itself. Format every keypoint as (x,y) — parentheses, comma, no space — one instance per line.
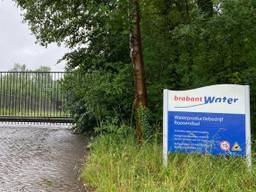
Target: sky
(17,43)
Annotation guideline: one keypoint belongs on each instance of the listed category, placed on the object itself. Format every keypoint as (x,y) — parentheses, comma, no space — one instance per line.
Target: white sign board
(213,120)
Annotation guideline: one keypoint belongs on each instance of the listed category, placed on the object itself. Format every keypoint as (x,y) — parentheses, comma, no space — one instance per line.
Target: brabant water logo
(197,101)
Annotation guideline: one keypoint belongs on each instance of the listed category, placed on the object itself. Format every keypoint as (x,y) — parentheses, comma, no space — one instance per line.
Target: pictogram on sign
(236,147)
(225,145)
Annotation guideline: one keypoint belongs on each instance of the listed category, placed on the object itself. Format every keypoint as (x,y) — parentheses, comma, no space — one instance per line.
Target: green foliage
(220,49)
(144,116)
(99,96)
(196,51)
(125,166)
(114,130)
(186,44)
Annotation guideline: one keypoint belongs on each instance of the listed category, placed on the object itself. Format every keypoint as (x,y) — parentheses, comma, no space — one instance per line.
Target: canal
(40,158)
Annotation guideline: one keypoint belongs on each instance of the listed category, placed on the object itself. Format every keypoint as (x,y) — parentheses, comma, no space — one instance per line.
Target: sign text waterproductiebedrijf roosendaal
(213,120)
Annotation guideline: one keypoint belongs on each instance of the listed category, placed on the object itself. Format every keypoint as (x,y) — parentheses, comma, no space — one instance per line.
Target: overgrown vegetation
(186,44)
(117,163)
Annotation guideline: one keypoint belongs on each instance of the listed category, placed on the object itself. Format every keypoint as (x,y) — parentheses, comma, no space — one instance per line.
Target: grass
(117,163)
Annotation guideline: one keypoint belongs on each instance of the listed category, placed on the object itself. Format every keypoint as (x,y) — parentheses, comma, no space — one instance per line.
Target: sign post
(248,128)
(209,120)
(165,128)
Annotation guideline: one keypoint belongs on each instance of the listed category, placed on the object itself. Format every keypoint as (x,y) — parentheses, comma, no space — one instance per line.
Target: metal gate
(33,97)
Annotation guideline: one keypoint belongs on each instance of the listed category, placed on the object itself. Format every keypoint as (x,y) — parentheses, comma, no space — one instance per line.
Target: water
(36,158)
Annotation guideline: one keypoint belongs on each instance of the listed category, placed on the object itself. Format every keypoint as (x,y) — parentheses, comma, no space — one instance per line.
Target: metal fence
(33,96)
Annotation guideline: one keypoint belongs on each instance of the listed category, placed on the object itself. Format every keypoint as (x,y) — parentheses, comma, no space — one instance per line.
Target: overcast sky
(17,44)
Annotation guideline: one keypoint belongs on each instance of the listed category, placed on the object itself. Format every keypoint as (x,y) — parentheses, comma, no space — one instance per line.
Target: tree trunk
(138,65)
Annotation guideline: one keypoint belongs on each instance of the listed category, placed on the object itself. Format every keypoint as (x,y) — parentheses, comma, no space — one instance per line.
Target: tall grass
(117,163)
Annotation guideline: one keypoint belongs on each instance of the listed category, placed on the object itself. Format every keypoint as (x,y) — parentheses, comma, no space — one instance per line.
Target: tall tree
(138,65)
